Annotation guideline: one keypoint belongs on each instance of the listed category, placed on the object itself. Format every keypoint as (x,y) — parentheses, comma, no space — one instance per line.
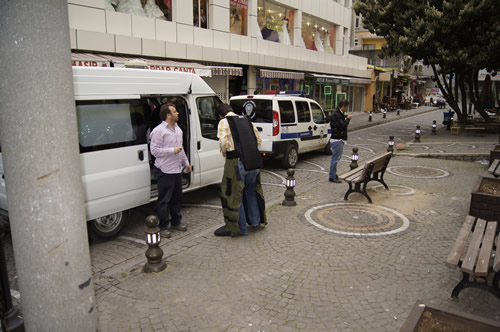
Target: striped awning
(107,60)
(281,74)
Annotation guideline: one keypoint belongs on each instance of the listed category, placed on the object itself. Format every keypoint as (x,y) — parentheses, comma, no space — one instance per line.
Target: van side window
(317,114)
(110,124)
(258,110)
(206,112)
(303,113)
(286,111)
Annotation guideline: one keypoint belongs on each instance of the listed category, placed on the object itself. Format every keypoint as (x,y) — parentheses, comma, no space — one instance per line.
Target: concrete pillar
(297,29)
(252,80)
(38,133)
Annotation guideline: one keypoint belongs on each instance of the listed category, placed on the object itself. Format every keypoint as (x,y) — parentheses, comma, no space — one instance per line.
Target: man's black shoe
(222,231)
(335,180)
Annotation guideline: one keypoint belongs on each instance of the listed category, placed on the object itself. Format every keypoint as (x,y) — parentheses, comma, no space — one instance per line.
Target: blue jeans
(337,148)
(249,178)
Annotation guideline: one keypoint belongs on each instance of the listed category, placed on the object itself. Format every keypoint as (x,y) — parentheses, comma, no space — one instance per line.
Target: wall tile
(85,18)
(219,18)
(88,3)
(194,52)
(203,37)
(243,58)
(212,54)
(254,59)
(175,50)
(95,41)
(118,23)
(153,48)
(72,38)
(166,31)
(128,45)
(185,34)
(229,56)
(221,39)
(183,10)
(143,27)
(234,42)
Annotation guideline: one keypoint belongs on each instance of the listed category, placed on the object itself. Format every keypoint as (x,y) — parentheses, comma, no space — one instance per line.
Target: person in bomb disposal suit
(241,194)
(338,123)
(166,146)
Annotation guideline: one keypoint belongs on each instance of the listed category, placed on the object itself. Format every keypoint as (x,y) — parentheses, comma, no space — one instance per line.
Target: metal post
(384,113)
(355,158)
(289,192)
(38,133)
(154,253)
(434,127)
(398,112)
(370,115)
(417,135)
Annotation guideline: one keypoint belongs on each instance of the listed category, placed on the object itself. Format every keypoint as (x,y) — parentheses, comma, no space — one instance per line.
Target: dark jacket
(339,123)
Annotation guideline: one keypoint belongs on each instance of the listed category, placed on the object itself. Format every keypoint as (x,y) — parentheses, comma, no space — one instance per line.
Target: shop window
(238,17)
(303,114)
(318,35)
(159,9)
(200,18)
(286,112)
(275,22)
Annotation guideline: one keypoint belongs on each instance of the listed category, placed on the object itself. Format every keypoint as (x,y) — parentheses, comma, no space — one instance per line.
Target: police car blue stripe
(296,135)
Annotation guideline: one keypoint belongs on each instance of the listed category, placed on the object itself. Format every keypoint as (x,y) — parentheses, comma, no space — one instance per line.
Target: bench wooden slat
(351,173)
(458,247)
(496,263)
(473,250)
(494,166)
(483,263)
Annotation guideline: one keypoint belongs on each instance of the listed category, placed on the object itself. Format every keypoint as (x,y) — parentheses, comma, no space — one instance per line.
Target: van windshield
(258,110)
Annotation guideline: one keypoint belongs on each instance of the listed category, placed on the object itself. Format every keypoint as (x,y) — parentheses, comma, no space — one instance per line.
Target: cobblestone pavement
(324,265)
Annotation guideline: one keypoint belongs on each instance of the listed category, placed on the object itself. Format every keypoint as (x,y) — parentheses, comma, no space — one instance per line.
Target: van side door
(305,126)
(114,155)
(320,126)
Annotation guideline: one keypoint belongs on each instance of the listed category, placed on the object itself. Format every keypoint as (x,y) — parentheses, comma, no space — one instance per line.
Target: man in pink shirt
(166,146)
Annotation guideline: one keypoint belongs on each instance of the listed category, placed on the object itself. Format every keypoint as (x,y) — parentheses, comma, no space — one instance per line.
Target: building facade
(237,46)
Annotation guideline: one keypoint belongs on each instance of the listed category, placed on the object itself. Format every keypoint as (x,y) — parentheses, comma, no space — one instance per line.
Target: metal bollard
(417,135)
(434,127)
(398,112)
(384,113)
(390,144)
(289,192)
(370,115)
(354,159)
(154,253)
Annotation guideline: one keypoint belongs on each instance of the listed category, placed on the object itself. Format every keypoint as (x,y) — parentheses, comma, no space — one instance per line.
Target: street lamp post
(154,253)
(355,158)
(289,192)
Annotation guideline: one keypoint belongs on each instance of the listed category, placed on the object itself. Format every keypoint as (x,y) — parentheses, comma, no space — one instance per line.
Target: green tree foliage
(457,38)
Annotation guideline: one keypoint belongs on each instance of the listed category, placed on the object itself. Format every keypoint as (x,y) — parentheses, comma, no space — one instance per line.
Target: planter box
(485,199)
(494,154)
(433,319)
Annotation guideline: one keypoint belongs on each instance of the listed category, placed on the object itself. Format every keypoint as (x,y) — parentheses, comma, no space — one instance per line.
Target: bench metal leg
(357,189)
(466,283)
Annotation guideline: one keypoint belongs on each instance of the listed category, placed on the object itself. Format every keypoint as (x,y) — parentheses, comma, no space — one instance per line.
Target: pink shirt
(163,141)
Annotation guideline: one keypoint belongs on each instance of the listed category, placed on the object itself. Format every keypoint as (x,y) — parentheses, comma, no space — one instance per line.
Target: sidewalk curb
(448,156)
(373,124)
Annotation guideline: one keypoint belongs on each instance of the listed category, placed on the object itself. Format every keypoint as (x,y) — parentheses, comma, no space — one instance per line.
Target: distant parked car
(417,100)
(438,102)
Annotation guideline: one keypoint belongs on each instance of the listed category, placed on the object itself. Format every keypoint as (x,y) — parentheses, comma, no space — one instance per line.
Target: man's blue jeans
(337,148)
(249,178)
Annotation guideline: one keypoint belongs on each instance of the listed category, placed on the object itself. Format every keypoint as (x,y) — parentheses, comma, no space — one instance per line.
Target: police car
(289,124)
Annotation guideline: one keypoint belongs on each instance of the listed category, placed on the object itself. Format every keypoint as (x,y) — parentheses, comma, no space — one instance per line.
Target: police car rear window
(258,110)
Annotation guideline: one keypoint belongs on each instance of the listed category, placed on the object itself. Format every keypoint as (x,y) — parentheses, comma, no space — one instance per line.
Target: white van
(116,110)
(288,124)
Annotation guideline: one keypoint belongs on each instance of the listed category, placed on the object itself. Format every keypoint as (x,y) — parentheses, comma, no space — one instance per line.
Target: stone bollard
(154,253)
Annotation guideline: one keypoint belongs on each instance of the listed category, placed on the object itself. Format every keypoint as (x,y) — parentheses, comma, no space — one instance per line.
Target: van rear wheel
(107,227)
(291,157)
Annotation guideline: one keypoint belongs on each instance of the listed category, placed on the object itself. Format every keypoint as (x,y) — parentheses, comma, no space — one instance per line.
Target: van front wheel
(291,157)
(107,227)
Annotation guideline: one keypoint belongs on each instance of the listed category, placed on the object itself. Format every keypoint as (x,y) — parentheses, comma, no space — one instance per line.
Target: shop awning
(342,80)
(105,60)
(281,74)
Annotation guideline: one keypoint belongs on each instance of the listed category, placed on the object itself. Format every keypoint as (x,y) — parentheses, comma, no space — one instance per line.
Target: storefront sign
(274,24)
(239,3)
(384,77)
(90,63)
(330,80)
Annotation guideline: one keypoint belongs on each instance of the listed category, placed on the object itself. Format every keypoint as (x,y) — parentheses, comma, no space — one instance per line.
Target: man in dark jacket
(338,122)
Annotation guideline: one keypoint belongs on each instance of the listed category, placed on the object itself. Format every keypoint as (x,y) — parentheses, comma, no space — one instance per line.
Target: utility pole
(38,134)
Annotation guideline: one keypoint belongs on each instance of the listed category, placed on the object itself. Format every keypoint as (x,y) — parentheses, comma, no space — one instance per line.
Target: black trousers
(169,198)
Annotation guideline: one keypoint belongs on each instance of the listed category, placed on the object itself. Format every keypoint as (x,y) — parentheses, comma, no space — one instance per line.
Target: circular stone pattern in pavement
(357,219)
(422,172)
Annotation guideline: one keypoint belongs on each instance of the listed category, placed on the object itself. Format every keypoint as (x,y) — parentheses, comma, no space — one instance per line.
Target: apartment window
(356,42)
(238,17)
(369,47)
(356,24)
(200,18)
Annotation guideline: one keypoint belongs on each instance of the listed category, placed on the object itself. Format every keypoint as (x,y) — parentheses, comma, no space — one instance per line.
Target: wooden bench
(475,129)
(371,170)
(477,264)
(494,168)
